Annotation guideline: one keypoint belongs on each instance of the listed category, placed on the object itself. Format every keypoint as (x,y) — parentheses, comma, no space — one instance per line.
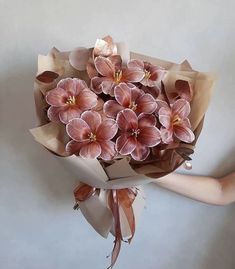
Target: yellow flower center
(147,74)
(71,100)
(92,137)
(117,76)
(133,106)
(176,120)
(135,133)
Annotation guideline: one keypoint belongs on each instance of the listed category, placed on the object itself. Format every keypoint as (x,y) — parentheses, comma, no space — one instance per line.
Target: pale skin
(217,191)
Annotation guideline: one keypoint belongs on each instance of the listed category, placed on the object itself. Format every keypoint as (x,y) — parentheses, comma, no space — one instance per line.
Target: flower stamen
(71,100)
(117,76)
(92,137)
(176,120)
(135,133)
(133,106)
(147,74)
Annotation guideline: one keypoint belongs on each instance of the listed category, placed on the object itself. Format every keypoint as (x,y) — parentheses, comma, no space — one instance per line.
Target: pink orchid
(152,74)
(69,99)
(175,122)
(91,138)
(129,96)
(138,134)
(111,73)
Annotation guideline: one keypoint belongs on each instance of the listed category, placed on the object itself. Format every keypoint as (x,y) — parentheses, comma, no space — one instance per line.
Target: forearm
(204,189)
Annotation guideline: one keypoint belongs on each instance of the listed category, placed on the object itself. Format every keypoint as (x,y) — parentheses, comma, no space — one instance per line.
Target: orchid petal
(125,144)
(181,108)
(146,104)
(140,153)
(184,134)
(127,120)
(78,130)
(146,120)
(56,97)
(92,118)
(104,66)
(137,64)
(184,89)
(111,108)
(116,60)
(154,91)
(132,75)
(91,70)
(73,147)
(108,151)
(107,130)
(70,113)
(91,150)
(107,86)
(96,84)
(149,136)
(122,94)
(53,113)
(86,99)
(166,135)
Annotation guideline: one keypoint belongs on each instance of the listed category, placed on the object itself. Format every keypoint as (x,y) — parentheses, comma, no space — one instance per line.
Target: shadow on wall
(17,116)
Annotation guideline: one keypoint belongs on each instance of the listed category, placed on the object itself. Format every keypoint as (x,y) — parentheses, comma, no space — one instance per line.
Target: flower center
(135,132)
(133,106)
(147,74)
(92,137)
(176,120)
(71,100)
(117,76)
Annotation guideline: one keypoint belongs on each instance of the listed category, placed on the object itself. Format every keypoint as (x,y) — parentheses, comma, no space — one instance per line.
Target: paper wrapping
(120,173)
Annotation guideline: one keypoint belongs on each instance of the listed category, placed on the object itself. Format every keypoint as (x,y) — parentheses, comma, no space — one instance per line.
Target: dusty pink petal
(165,116)
(122,94)
(132,75)
(184,89)
(184,134)
(154,91)
(146,104)
(79,86)
(67,84)
(108,151)
(148,82)
(111,108)
(107,86)
(140,153)
(135,92)
(138,64)
(127,120)
(166,135)
(181,108)
(53,113)
(149,136)
(86,99)
(73,147)
(104,66)
(92,118)
(161,104)
(91,70)
(57,97)
(186,123)
(96,84)
(91,150)
(157,74)
(146,120)
(125,144)
(107,130)
(116,60)
(70,113)
(78,130)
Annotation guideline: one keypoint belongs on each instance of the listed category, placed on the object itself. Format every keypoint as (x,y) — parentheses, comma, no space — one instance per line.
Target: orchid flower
(111,73)
(69,99)
(91,138)
(152,74)
(129,96)
(138,134)
(175,122)
(182,90)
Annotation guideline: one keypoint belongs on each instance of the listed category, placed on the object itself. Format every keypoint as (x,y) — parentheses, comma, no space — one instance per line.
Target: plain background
(38,228)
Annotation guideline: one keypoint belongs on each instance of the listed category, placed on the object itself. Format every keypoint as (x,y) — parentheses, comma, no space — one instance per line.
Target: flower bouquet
(118,120)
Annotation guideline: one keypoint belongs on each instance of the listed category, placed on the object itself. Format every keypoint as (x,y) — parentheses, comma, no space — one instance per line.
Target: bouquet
(118,120)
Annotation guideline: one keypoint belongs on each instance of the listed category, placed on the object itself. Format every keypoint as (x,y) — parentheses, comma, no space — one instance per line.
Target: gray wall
(38,228)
